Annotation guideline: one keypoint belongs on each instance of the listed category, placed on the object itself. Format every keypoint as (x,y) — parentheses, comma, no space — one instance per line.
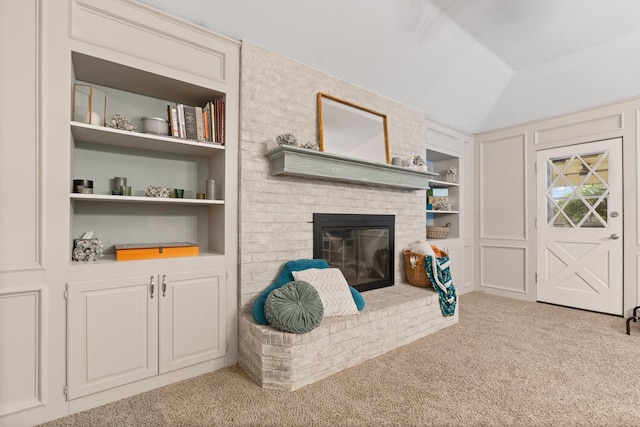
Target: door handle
(164,285)
(615,236)
(151,286)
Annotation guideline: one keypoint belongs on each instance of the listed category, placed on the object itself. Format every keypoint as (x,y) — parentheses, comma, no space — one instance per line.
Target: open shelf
(440,162)
(437,212)
(442,184)
(138,199)
(143,141)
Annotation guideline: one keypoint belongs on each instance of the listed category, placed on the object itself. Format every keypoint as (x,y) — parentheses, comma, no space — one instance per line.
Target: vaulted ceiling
(476,65)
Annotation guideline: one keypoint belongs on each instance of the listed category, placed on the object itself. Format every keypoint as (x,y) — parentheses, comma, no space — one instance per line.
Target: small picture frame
(89,104)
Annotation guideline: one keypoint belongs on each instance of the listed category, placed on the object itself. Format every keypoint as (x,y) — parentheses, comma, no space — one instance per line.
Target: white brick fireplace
(278,95)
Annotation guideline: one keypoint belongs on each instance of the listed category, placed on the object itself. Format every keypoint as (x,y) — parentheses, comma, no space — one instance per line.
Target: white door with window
(579,226)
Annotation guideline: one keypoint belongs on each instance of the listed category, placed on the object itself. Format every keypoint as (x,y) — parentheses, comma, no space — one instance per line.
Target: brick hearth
(393,316)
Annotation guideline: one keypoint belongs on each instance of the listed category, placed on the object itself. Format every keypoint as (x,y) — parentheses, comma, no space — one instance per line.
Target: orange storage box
(135,251)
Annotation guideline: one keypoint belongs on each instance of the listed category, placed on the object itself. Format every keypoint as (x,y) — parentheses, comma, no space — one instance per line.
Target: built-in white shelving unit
(439,162)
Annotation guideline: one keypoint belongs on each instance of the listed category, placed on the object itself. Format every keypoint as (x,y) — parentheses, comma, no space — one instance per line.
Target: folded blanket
(439,274)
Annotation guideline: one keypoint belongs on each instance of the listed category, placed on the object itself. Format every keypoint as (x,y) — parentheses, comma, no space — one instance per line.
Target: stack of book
(205,124)
(438,199)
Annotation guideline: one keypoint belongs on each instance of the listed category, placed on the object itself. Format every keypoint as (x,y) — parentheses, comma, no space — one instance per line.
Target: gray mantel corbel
(296,161)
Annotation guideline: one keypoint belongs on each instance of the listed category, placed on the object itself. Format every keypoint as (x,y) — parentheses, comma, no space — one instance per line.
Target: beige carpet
(506,363)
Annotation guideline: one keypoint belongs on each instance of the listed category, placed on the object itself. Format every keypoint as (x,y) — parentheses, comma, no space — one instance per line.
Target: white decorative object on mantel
(291,140)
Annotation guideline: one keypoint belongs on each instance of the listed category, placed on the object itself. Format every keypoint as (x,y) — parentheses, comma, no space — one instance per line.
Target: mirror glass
(351,130)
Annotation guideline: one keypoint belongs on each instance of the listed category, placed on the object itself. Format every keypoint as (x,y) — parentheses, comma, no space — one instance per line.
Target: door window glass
(577,191)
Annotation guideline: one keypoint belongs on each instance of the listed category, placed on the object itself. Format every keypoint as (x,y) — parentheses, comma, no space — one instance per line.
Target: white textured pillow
(333,290)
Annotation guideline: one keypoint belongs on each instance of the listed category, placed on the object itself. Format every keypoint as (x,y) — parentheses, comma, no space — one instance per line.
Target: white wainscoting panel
(20,350)
(504,268)
(590,128)
(503,195)
(468,177)
(468,275)
(441,139)
(20,149)
(198,52)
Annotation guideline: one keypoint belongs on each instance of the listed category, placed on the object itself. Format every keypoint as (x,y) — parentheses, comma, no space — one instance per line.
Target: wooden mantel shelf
(296,161)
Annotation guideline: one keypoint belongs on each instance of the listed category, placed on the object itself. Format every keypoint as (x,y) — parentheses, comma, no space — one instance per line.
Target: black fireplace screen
(361,246)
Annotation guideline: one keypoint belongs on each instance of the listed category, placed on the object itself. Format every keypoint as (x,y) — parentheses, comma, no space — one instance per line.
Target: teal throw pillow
(285,276)
(295,307)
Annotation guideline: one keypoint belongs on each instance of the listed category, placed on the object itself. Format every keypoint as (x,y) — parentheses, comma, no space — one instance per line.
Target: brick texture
(278,95)
(393,317)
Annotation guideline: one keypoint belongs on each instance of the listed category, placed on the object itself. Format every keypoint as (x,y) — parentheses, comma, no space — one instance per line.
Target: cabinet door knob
(615,236)
(164,285)
(151,287)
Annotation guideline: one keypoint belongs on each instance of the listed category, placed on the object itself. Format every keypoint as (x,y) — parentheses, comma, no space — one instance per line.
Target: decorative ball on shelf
(121,122)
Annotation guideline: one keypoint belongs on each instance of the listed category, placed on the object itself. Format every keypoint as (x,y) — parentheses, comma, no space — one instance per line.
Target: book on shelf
(173,120)
(207,111)
(218,125)
(205,127)
(191,131)
(199,124)
(442,192)
(222,130)
(181,127)
(203,124)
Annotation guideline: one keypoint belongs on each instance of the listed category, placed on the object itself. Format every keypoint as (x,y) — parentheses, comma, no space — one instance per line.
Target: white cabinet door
(113,333)
(192,321)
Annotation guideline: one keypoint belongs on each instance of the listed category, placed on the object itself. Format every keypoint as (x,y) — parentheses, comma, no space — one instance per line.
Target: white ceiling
(526,33)
(476,65)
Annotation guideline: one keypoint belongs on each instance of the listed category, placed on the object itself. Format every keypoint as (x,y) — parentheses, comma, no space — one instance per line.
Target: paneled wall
(505,195)
(22,266)
(31,285)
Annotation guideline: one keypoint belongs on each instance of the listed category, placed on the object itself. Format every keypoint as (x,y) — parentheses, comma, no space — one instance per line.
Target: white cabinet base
(191,318)
(130,328)
(113,334)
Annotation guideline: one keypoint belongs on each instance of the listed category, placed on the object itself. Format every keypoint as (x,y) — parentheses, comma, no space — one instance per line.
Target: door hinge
(535,223)
(66,294)
(535,278)
(65,390)
(535,167)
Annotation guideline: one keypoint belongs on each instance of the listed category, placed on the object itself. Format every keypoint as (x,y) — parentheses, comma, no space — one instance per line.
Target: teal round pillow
(295,307)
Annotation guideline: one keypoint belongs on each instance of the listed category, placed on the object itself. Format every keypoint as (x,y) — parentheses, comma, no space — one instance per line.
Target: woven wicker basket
(416,273)
(434,232)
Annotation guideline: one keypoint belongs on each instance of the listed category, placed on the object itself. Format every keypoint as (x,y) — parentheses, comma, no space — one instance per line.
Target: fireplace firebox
(360,245)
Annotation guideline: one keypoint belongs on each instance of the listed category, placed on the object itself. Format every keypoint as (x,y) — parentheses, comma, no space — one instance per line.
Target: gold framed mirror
(351,130)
